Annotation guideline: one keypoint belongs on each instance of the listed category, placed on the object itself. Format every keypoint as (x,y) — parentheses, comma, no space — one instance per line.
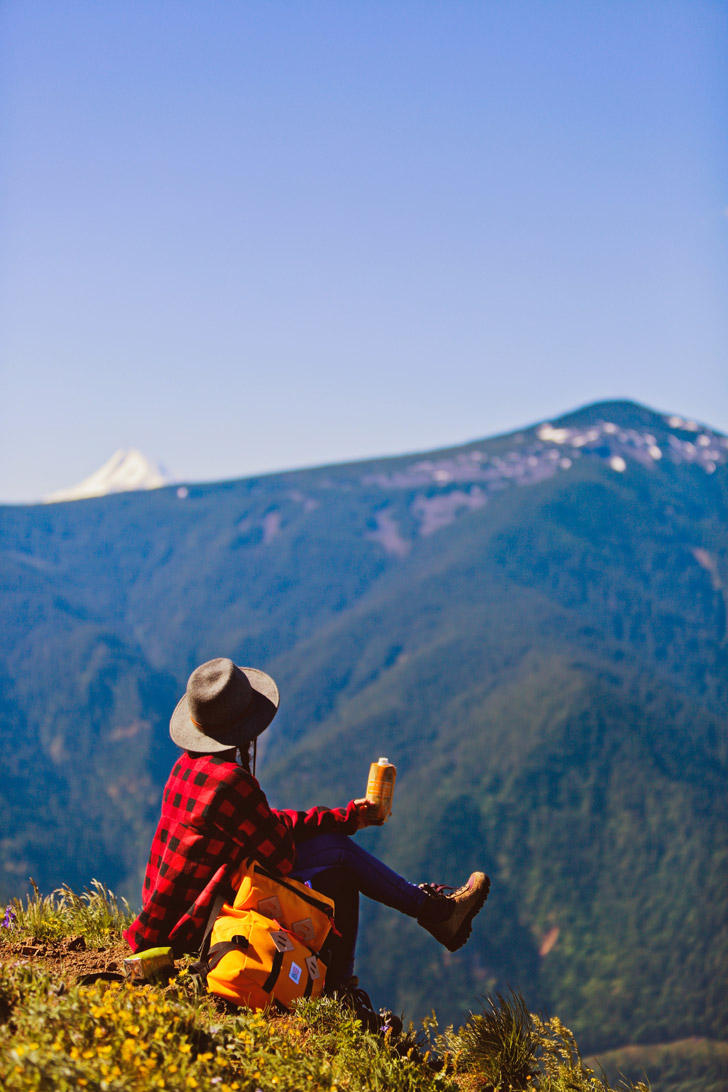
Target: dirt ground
(68,958)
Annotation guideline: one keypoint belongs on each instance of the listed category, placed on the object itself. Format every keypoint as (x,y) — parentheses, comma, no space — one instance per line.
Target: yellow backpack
(266,944)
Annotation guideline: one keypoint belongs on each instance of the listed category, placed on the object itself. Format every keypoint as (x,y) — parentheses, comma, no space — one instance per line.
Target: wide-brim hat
(224,706)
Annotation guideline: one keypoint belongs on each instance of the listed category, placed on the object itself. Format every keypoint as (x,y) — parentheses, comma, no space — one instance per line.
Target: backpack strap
(275,970)
(202,964)
(217,951)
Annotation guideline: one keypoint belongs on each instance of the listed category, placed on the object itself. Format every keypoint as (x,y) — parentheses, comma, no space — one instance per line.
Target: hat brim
(258,715)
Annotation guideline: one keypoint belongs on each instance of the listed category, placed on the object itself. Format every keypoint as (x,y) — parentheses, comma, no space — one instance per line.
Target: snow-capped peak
(127,469)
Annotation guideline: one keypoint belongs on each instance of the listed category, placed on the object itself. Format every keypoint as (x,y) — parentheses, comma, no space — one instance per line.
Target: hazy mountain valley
(532,627)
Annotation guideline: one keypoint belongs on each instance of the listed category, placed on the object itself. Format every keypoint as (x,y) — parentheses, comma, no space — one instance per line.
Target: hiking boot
(449,913)
(358,1000)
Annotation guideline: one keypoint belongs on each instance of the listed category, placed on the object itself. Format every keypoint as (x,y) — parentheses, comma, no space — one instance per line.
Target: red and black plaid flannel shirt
(214,815)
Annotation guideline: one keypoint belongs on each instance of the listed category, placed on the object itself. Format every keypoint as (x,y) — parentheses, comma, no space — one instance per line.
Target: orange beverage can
(380,787)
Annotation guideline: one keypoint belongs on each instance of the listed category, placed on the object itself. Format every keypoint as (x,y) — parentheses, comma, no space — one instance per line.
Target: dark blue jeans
(338,867)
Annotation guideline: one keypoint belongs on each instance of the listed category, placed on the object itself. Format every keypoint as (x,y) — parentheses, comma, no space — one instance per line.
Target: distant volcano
(127,470)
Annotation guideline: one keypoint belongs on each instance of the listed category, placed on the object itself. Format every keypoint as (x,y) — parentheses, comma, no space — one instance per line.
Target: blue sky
(247,236)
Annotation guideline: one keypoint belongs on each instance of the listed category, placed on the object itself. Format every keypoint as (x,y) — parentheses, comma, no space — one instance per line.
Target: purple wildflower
(10,918)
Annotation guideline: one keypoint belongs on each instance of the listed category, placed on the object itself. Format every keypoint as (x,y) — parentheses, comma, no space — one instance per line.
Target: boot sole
(466,927)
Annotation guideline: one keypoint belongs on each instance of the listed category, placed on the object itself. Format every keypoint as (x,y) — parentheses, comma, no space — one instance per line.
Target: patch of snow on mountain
(126,471)
(389,536)
(441,510)
(552,449)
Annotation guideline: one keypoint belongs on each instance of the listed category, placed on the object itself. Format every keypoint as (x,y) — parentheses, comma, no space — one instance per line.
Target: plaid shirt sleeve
(307,824)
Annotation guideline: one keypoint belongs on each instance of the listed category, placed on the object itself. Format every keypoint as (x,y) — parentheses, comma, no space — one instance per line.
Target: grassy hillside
(60,1031)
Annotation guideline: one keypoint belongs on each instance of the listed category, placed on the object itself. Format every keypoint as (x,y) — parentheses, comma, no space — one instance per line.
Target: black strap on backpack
(208,957)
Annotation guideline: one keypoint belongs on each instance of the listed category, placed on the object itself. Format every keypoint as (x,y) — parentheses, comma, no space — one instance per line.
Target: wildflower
(127,1049)
(10,918)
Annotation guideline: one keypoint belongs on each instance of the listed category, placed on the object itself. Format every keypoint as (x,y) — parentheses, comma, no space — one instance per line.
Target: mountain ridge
(631,413)
(546,668)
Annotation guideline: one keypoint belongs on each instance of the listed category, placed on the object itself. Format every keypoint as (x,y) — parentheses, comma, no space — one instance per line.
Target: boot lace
(439,890)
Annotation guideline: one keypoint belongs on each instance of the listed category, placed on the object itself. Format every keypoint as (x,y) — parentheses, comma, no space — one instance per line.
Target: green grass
(112,1037)
(96,914)
(57,1036)
(500,1042)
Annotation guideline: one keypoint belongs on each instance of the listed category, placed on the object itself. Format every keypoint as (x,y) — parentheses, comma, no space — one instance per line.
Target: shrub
(499,1042)
(96,913)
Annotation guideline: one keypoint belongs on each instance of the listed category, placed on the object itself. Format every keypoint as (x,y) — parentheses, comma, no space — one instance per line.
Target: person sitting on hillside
(215,815)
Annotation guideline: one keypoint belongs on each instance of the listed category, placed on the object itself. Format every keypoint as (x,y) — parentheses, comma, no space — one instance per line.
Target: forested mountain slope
(533,627)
